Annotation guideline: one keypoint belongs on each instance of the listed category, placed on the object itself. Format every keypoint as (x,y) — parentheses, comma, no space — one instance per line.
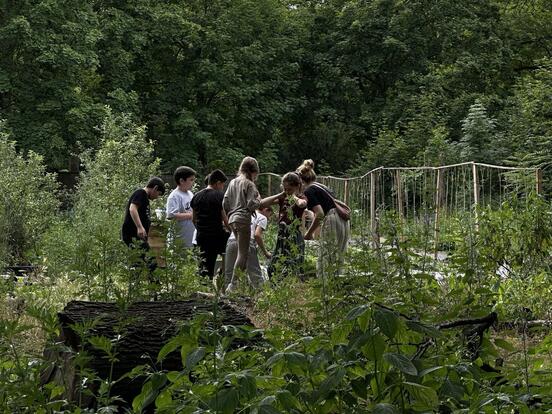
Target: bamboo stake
(400,200)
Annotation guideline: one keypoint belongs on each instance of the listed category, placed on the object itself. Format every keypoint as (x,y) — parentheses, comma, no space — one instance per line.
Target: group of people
(231,223)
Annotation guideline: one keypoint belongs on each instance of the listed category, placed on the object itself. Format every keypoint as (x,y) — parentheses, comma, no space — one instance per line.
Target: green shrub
(28,202)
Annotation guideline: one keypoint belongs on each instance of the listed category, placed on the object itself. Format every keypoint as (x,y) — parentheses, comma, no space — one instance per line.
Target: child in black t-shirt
(137,215)
(210,221)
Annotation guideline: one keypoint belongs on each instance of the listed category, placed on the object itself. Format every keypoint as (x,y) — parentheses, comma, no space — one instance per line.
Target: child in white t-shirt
(178,206)
(259,223)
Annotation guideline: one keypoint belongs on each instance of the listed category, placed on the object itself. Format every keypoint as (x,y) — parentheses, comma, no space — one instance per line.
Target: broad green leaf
(501,343)
(375,347)
(329,384)
(423,395)
(225,401)
(358,311)
(387,321)
(169,347)
(402,363)
(194,357)
(287,400)
(164,400)
(247,385)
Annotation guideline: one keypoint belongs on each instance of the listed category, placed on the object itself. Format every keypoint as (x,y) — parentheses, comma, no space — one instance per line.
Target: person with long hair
(289,253)
(240,202)
(335,231)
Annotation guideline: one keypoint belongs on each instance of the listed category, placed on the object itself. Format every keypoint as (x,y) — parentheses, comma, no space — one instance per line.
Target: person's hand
(268,255)
(142,233)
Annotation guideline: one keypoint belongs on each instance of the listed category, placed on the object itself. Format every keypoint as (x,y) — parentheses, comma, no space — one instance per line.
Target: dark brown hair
(292,178)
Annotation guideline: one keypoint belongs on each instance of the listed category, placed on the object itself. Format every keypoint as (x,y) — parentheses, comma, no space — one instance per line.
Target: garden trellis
(424,196)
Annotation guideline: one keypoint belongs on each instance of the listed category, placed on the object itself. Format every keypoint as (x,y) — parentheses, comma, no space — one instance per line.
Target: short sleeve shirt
(259,220)
(207,205)
(180,202)
(141,200)
(317,195)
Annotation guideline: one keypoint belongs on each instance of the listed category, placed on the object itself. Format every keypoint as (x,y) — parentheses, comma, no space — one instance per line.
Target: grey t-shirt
(179,202)
(241,200)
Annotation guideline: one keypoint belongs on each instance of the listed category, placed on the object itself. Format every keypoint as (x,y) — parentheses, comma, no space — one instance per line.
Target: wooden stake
(475,193)
(269,184)
(346,192)
(400,200)
(373,202)
(538,174)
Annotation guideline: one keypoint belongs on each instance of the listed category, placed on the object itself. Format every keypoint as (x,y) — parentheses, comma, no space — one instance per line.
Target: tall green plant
(28,201)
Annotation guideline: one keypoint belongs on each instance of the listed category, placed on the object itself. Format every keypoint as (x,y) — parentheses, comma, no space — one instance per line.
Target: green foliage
(323,80)
(478,135)
(28,202)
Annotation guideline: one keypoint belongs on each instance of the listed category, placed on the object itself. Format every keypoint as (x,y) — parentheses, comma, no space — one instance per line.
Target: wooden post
(269,184)
(438,196)
(538,174)
(400,199)
(373,203)
(346,192)
(475,193)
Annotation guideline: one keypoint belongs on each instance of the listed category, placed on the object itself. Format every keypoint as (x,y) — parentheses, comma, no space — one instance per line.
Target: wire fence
(423,195)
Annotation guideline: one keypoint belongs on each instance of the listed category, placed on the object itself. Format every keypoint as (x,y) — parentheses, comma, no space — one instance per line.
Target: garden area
(395,330)
(431,120)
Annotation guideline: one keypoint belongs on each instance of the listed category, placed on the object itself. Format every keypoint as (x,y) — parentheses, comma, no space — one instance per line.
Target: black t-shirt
(129,230)
(207,206)
(319,196)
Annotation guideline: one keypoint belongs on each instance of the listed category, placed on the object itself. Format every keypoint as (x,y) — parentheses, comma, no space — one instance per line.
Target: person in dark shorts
(137,222)
(210,221)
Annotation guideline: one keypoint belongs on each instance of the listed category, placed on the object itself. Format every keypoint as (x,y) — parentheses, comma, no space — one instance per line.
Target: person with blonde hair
(240,202)
(334,230)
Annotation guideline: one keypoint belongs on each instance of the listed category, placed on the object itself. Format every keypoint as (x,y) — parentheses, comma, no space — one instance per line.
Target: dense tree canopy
(351,84)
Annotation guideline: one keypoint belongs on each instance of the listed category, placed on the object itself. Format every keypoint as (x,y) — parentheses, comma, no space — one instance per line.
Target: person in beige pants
(240,202)
(335,231)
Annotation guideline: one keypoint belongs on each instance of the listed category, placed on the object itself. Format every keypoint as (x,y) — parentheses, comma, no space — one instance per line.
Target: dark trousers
(209,249)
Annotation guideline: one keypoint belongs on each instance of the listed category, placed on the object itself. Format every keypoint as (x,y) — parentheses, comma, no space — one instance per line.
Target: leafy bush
(28,202)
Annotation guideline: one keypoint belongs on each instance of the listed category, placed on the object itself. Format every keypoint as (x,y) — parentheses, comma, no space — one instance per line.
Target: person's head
(249,167)
(266,211)
(155,188)
(291,183)
(184,177)
(217,179)
(306,171)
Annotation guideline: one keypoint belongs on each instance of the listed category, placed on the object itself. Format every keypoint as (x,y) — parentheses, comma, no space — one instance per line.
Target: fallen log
(137,333)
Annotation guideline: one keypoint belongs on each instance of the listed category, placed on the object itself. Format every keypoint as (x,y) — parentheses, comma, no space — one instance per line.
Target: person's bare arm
(224,217)
(260,241)
(268,201)
(316,222)
(194,217)
(188,215)
(141,231)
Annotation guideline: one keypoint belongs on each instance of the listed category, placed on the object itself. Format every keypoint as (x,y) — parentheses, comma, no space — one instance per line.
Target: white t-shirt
(179,202)
(260,220)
